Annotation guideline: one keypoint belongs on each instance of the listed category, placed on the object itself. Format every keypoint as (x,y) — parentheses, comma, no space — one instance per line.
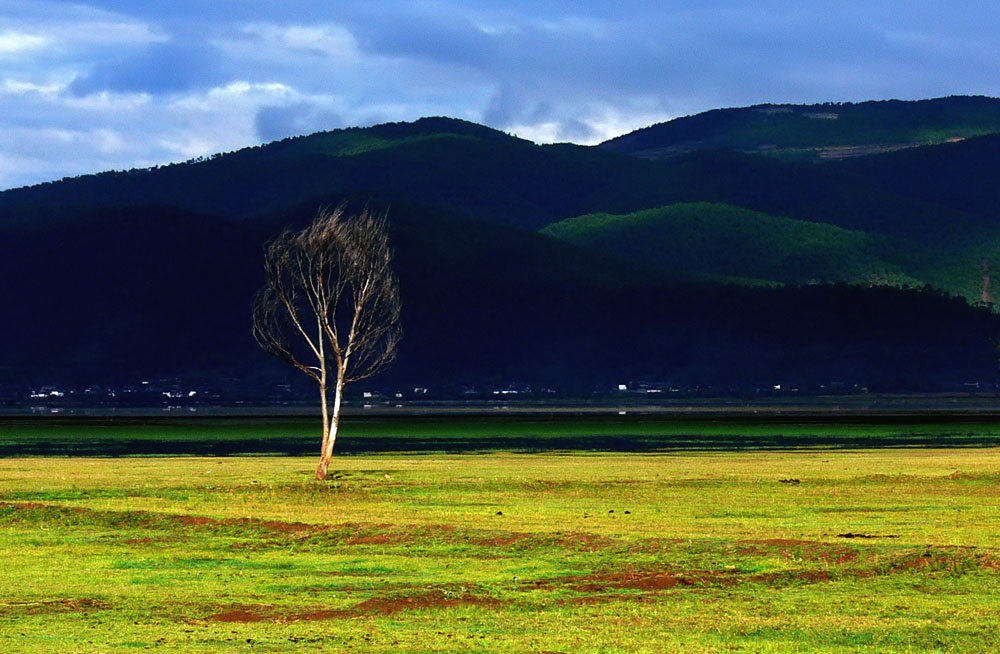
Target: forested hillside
(564,266)
(833,130)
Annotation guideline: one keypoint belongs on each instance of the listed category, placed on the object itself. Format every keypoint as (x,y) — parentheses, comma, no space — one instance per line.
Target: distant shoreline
(844,406)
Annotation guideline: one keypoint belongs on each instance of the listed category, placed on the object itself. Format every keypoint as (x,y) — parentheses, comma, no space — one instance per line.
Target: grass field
(437,433)
(814,549)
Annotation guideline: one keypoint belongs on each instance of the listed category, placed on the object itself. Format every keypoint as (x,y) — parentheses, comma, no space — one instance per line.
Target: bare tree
(330,306)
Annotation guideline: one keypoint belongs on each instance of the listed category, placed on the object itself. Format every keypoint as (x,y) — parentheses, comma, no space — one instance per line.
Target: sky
(118,84)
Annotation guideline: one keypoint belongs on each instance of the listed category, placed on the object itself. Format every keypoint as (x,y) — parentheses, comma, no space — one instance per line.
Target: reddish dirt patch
(505,540)
(237,615)
(274,525)
(587,542)
(196,520)
(290,527)
(376,539)
(24,505)
(369,607)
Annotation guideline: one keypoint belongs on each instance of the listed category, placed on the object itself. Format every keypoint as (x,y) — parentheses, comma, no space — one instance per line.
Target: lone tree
(330,306)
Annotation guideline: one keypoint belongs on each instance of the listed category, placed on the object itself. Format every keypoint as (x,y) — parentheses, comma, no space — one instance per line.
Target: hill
(643,269)
(720,241)
(818,131)
(723,240)
(465,169)
(117,299)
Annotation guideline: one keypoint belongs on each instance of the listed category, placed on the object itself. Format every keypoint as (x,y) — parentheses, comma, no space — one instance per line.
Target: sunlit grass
(503,552)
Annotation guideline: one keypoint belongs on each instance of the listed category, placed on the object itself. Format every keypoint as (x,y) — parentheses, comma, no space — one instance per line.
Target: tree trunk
(324,464)
(330,427)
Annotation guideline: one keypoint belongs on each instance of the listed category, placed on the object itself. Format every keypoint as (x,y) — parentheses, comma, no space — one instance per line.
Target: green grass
(721,239)
(731,244)
(499,431)
(708,551)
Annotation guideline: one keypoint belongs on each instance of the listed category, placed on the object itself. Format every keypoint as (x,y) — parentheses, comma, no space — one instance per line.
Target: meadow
(677,535)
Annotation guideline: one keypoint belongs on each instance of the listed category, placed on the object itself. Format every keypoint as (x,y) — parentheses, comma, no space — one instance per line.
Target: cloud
(576,131)
(12,41)
(505,108)
(273,123)
(160,68)
(327,40)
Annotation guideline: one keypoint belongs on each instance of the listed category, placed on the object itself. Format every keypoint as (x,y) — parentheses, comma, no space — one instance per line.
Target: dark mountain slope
(485,174)
(128,291)
(141,292)
(831,130)
(959,175)
(495,177)
(816,193)
(121,276)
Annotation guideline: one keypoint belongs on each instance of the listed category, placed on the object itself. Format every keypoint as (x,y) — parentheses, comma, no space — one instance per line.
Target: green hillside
(523,262)
(731,244)
(724,240)
(454,165)
(925,215)
(819,131)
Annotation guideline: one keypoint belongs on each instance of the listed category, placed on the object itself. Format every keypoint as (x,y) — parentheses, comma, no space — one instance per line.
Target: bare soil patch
(273,525)
(237,615)
(437,599)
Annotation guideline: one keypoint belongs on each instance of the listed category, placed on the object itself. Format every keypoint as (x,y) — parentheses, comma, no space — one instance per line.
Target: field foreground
(892,550)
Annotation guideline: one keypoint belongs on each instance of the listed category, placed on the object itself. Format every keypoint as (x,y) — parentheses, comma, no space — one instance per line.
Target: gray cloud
(575,130)
(506,107)
(159,68)
(277,122)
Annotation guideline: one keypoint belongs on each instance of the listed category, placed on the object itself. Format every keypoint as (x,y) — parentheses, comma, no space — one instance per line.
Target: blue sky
(90,86)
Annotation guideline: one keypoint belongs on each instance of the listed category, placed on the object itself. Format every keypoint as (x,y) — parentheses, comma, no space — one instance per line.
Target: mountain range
(822,246)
